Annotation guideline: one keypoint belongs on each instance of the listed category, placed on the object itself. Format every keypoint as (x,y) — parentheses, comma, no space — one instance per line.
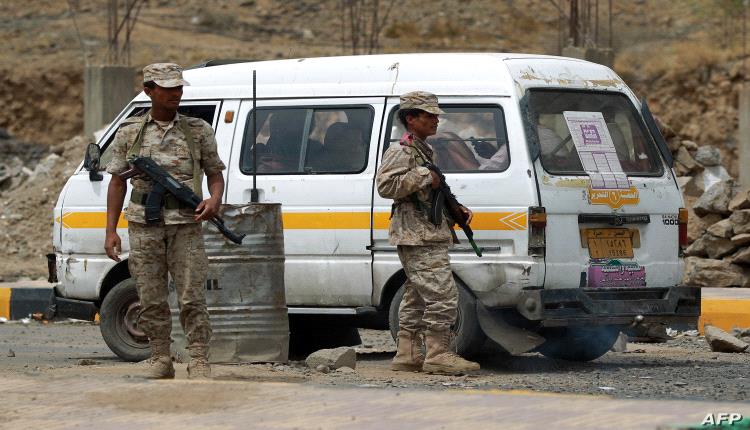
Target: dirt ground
(683,368)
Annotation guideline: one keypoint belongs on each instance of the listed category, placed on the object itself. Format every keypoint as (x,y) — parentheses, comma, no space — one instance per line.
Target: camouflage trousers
(176,249)
(430,297)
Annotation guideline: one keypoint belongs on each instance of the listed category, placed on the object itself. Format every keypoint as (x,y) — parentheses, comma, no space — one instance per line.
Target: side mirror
(91,162)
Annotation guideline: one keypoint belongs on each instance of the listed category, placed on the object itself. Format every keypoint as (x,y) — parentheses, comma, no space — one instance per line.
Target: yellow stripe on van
(88,220)
(505,221)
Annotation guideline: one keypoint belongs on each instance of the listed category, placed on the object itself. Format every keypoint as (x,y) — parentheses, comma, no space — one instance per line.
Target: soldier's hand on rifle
(207,209)
(435,180)
(469,214)
(113,245)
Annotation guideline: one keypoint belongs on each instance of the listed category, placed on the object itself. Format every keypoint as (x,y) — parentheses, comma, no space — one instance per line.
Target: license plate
(610,242)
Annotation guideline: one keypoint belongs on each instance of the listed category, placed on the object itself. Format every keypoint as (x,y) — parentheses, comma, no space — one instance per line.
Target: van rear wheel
(578,343)
(119,322)
(468,337)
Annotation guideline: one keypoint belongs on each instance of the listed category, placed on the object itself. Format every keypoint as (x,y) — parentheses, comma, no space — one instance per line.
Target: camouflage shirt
(403,178)
(169,148)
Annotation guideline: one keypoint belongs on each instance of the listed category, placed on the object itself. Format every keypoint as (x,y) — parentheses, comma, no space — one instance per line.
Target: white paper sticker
(596,150)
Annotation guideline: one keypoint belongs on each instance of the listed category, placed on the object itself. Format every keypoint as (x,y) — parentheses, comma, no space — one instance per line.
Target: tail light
(682,219)
(537,224)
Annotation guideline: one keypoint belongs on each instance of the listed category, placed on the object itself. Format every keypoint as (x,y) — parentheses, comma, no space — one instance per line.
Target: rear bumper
(622,306)
(77,309)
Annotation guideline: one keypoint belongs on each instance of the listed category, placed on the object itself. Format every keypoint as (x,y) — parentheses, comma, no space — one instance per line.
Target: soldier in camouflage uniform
(429,306)
(186,148)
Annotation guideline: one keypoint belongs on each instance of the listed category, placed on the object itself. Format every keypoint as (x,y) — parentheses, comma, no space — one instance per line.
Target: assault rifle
(443,198)
(163,183)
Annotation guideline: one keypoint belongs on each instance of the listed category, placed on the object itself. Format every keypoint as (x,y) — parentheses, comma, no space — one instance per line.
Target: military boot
(198,368)
(409,356)
(440,359)
(160,364)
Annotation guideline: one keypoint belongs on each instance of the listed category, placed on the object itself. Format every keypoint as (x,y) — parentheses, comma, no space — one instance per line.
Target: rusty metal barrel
(244,289)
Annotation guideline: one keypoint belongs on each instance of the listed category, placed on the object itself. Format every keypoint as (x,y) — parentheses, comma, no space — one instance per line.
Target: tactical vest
(182,125)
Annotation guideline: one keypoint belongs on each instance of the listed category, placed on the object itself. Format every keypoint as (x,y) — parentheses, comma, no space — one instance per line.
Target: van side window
(635,149)
(308,140)
(468,139)
(204,112)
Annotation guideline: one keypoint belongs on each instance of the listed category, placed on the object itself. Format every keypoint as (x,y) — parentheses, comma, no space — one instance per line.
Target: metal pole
(610,24)
(254,192)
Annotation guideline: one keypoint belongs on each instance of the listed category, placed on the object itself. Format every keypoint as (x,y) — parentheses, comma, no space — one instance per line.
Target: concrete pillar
(743,141)
(107,89)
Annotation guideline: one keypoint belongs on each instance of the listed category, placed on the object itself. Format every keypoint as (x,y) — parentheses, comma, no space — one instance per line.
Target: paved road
(62,376)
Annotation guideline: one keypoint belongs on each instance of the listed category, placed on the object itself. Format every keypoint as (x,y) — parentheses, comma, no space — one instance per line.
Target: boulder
(715,199)
(721,341)
(332,358)
(741,257)
(741,239)
(689,145)
(703,180)
(699,248)
(697,225)
(741,221)
(740,201)
(711,246)
(708,156)
(684,157)
(723,228)
(703,272)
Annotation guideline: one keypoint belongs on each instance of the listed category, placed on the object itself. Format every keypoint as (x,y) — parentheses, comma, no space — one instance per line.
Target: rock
(705,179)
(682,182)
(742,257)
(741,239)
(739,201)
(333,358)
(307,34)
(684,157)
(715,199)
(711,246)
(87,362)
(322,368)
(699,248)
(11,353)
(721,341)
(741,221)
(703,272)
(697,225)
(723,228)
(680,169)
(621,344)
(708,156)
(689,145)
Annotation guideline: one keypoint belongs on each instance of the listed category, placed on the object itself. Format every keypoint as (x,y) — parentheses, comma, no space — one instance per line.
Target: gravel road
(683,368)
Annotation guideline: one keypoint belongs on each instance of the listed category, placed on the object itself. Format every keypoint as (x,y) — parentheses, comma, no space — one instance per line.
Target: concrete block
(107,90)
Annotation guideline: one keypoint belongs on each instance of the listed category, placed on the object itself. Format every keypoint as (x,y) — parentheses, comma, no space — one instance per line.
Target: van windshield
(636,151)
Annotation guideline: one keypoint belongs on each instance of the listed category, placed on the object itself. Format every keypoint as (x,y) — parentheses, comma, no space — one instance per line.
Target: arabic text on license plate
(610,243)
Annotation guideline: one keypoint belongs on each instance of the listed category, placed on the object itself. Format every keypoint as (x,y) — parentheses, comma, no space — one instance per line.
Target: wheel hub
(132,314)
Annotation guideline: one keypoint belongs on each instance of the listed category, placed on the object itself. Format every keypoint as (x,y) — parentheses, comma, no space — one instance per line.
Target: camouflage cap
(167,75)
(421,100)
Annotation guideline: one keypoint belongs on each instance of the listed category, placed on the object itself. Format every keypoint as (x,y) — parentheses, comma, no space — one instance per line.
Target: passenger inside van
(343,150)
(455,154)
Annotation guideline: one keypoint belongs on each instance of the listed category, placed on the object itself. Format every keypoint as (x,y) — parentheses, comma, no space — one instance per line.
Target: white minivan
(576,205)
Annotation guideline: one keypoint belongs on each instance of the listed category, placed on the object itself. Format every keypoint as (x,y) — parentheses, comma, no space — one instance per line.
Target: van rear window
(635,149)
(468,139)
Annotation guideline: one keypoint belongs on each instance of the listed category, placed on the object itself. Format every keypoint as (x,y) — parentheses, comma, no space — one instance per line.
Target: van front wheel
(578,343)
(468,337)
(119,322)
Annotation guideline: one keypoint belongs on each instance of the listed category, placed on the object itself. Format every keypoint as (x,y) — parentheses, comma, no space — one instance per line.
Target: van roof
(491,74)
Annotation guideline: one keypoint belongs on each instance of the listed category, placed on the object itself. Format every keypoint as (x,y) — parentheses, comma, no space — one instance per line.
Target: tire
(579,343)
(118,323)
(468,337)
